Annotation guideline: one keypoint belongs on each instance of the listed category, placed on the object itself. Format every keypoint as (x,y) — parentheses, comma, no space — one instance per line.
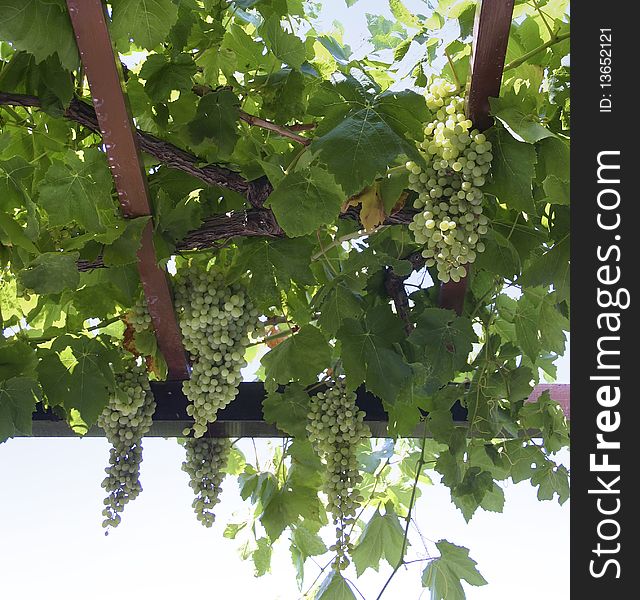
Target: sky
(52,545)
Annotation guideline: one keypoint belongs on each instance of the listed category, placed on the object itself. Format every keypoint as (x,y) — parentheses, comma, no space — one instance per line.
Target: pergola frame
(123,143)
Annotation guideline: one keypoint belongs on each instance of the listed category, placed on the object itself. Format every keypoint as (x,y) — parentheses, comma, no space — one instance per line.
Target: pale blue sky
(52,545)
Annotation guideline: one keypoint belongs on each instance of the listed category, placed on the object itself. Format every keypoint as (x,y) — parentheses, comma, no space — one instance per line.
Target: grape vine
(282,166)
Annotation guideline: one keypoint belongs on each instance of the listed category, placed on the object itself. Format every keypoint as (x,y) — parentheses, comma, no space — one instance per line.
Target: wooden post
(105,81)
(490,38)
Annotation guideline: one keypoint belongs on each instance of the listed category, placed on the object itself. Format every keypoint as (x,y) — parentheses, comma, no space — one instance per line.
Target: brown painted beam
(489,49)
(118,133)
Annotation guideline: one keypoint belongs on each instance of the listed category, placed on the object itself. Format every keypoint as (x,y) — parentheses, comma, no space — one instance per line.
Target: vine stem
(412,500)
(525,57)
(453,70)
(345,238)
(275,336)
(322,570)
(544,19)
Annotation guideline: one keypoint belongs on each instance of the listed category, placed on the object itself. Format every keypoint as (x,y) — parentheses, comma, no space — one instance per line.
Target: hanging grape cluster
(336,428)
(205,459)
(125,420)
(215,320)
(139,316)
(450,220)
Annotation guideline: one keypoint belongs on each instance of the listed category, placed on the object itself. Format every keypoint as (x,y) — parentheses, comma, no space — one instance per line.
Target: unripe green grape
(336,428)
(215,320)
(457,159)
(205,460)
(124,426)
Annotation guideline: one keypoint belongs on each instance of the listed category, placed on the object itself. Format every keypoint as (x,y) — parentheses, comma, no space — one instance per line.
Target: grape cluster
(139,316)
(125,420)
(215,320)
(206,457)
(336,428)
(450,220)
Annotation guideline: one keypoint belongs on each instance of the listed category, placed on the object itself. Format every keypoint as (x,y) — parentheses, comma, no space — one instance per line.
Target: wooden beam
(244,417)
(118,133)
(489,49)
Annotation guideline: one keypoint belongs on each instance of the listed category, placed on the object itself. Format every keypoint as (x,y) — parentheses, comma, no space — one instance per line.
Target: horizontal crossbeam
(244,417)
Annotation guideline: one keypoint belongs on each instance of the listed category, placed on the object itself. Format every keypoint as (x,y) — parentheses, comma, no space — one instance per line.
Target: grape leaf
(526,321)
(382,537)
(40,27)
(285,506)
(79,189)
(147,22)
(51,273)
(216,119)
(553,159)
(443,575)
(444,340)
(551,479)
(89,377)
(162,75)
(12,234)
(14,179)
(469,494)
(337,303)
(513,170)
(300,357)
(18,397)
(288,410)
(550,268)
(368,138)
(273,265)
(124,250)
(384,33)
(285,46)
(493,500)
(176,220)
(556,189)
(368,354)
(16,358)
(334,587)
(519,117)
(307,542)
(305,200)
(400,12)
(261,557)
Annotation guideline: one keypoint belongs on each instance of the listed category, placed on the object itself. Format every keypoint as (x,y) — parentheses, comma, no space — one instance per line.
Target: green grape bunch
(204,462)
(125,420)
(336,427)
(139,316)
(450,222)
(216,320)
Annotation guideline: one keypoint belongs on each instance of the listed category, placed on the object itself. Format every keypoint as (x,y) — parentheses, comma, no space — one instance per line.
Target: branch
(279,129)
(287,132)
(394,286)
(257,222)
(165,152)
(525,57)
